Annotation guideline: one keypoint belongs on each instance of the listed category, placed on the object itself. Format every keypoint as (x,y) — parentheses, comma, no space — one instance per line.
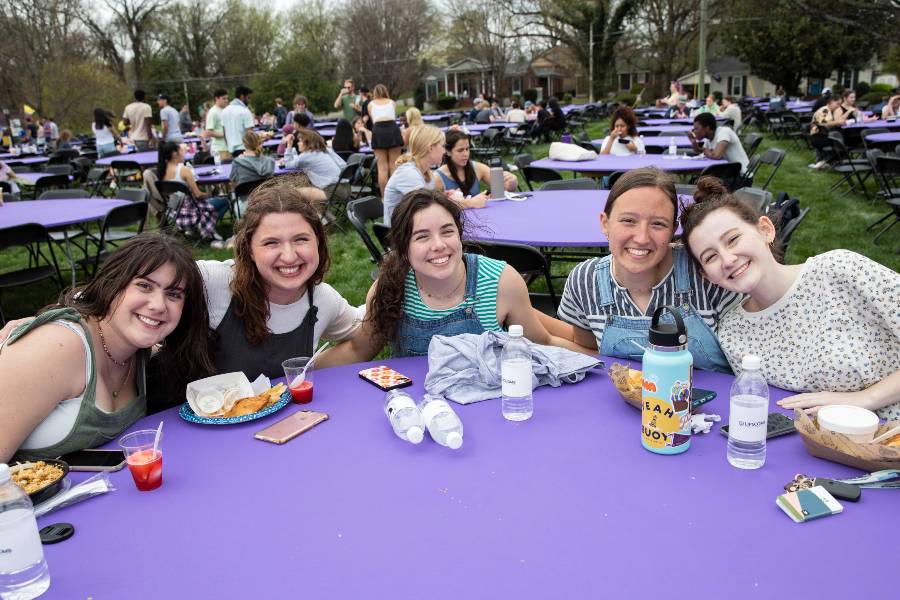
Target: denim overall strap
(414,335)
(604,280)
(681,261)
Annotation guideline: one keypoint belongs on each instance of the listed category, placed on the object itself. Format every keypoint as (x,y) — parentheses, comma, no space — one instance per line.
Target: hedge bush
(446,102)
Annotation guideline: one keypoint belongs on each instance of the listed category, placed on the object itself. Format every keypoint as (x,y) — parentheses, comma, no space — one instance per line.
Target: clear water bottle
(217,159)
(443,424)
(642,149)
(404,415)
(673,149)
(23,570)
(748,416)
(515,374)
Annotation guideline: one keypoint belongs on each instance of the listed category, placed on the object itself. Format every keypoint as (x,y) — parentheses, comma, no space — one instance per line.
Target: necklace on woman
(445,296)
(115,392)
(106,349)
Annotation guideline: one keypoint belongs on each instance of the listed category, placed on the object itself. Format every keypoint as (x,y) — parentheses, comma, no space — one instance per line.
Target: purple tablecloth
(657,141)
(564,218)
(31,178)
(884,137)
(478,129)
(665,128)
(205,175)
(56,213)
(27,160)
(606,163)
(145,159)
(565,505)
(892,125)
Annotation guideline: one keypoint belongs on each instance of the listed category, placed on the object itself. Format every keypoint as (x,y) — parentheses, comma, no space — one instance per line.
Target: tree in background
(787,40)
(381,41)
(475,32)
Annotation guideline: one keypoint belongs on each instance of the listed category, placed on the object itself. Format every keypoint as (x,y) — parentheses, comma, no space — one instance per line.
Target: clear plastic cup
(301,385)
(145,464)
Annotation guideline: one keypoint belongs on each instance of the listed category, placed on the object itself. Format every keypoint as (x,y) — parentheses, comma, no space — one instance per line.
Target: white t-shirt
(622,149)
(103,136)
(734,152)
(516,115)
(837,329)
(337,320)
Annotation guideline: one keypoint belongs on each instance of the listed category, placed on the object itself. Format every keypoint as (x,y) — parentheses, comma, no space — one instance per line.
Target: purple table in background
(29,159)
(437,117)
(565,505)
(32,178)
(657,141)
(557,218)
(688,121)
(881,123)
(205,175)
(479,128)
(145,159)
(665,128)
(606,164)
(884,137)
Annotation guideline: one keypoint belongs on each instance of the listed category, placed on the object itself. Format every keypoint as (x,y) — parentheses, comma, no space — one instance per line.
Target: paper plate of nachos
(241,410)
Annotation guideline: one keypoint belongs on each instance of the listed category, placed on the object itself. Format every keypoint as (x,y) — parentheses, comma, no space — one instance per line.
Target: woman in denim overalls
(608,301)
(428,286)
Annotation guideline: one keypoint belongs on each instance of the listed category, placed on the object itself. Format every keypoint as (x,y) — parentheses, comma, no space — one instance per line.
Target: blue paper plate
(186,413)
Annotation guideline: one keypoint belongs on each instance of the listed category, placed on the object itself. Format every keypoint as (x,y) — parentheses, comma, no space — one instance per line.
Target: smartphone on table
(385,378)
(291,426)
(95,460)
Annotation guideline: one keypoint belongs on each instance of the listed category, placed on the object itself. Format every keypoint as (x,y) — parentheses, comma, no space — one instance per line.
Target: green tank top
(93,427)
(488,282)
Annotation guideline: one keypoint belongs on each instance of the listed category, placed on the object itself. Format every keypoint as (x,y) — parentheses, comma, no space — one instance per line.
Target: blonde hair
(251,141)
(414,117)
(421,139)
(380,91)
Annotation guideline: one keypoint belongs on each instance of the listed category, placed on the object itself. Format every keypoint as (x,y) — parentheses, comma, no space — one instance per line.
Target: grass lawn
(833,222)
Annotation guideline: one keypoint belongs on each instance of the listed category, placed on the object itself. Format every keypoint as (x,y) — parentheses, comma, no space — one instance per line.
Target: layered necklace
(445,297)
(126,363)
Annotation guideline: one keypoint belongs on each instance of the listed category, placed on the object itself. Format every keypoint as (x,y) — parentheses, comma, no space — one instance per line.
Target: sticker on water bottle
(516,377)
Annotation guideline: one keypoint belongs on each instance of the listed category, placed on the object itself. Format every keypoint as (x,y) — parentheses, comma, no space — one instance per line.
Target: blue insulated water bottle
(666,394)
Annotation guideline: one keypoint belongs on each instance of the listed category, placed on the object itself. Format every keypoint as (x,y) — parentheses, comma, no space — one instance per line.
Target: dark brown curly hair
(186,354)
(387,302)
(248,288)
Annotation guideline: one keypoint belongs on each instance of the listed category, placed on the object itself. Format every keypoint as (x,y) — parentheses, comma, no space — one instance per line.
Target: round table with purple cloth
(56,213)
(656,141)
(607,163)
(565,505)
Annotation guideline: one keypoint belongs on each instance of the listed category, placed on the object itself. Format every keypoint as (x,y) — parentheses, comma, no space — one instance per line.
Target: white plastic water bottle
(673,149)
(23,570)
(748,416)
(515,374)
(217,159)
(404,415)
(642,149)
(443,424)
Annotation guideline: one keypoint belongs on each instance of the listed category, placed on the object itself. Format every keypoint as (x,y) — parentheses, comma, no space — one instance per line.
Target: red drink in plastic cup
(146,469)
(303,393)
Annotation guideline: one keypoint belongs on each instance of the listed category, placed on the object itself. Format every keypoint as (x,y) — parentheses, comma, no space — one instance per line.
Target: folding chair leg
(886,229)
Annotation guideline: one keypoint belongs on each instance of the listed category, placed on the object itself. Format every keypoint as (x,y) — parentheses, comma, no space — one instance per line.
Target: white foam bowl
(858,424)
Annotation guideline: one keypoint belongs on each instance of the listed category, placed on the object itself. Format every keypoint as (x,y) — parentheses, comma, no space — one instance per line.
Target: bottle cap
(454,440)
(415,434)
(515,331)
(750,362)
(667,334)
(4,473)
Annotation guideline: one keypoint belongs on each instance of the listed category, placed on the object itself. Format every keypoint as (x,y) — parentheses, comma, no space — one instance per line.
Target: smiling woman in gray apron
(608,301)
(74,377)
(269,303)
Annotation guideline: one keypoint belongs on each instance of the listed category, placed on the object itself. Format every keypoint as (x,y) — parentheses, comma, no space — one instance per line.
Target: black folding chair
(854,172)
(773,157)
(362,211)
(539,175)
(174,193)
(52,182)
(887,175)
(29,236)
(757,198)
(126,173)
(529,262)
(340,192)
(241,193)
(728,173)
(127,215)
(581,183)
(751,143)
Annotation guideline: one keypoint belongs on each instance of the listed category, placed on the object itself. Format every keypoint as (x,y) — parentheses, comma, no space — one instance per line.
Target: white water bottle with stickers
(23,570)
(748,416)
(515,374)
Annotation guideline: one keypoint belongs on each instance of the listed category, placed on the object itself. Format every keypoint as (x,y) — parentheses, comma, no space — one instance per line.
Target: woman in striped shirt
(428,286)
(608,301)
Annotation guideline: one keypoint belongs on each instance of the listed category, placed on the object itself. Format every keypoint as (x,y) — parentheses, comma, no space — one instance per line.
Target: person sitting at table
(830,116)
(316,160)
(345,139)
(270,302)
(300,106)
(362,133)
(497,112)
(300,121)
(413,119)
(828,328)
(387,141)
(848,103)
(891,108)
(778,102)
(531,111)
(200,212)
(251,165)
(679,110)
(623,139)
(675,91)
(608,301)
(8,176)
(427,285)
(516,114)
(710,107)
(722,143)
(104,133)
(461,173)
(96,344)
(731,110)
(65,140)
